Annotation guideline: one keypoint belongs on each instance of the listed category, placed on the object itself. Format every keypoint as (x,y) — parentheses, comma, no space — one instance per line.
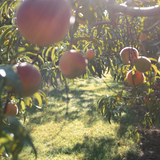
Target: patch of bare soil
(149,141)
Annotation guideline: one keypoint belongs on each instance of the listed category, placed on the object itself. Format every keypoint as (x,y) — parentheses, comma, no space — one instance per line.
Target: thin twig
(66,87)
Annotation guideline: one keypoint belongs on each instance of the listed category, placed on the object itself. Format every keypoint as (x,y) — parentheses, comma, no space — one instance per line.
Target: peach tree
(39,32)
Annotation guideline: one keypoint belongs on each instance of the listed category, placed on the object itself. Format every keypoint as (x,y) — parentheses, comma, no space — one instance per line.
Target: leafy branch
(133,11)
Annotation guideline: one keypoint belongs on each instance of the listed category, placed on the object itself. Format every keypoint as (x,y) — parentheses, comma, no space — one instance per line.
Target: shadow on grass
(94,149)
(50,115)
(128,120)
(79,100)
(79,95)
(103,148)
(47,115)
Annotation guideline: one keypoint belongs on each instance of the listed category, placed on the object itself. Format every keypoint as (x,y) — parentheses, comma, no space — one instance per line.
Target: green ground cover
(85,134)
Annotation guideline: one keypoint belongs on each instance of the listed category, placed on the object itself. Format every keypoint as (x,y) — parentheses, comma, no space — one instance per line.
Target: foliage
(108,29)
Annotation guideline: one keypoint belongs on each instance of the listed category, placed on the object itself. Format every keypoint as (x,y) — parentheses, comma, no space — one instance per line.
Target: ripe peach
(129,53)
(72,64)
(142,36)
(44,22)
(154,93)
(90,54)
(136,79)
(146,99)
(142,64)
(11,110)
(30,78)
(157,85)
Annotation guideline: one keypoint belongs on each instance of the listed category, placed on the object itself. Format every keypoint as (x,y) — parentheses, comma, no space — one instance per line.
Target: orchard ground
(85,134)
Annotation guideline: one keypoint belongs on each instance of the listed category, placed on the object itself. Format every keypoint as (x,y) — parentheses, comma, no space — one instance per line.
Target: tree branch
(134,11)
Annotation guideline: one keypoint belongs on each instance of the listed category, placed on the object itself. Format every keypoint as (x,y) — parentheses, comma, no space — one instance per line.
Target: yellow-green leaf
(38,97)
(23,105)
(93,68)
(137,135)
(155,69)
(53,54)
(27,101)
(152,59)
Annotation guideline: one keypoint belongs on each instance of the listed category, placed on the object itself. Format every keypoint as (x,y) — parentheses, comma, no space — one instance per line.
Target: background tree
(106,27)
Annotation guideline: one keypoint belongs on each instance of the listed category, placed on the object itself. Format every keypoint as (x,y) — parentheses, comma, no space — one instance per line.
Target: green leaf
(3,4)
(93,68)
(28,49)
(86,45)
(44,96)
(38,97)
(155,68)
(23,105)
(27,101)
(152,59)
(40,57)
(21,137)
(53,55)
(137,136)
(11,78)
(3,151)
(2,37)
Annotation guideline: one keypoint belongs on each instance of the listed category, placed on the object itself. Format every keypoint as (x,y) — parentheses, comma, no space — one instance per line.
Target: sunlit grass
(84,134)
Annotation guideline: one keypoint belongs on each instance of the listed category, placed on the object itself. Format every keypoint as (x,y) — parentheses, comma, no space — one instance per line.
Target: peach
(11,110)
(129,53)
(90,54)
(142,64)
(72,64)
(30,78)
(44,22)
(136,79)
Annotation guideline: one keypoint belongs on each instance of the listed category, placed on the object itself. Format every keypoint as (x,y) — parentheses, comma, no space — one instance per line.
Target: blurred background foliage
(96,27)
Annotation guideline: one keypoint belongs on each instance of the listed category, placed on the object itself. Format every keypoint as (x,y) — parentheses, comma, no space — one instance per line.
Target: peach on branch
(11,109)
(157,85)
(142,64)
(30,78)
(129,55)
(90,54)
(43,22)
(72,64)
(135,78)
(146,99)
(142,36)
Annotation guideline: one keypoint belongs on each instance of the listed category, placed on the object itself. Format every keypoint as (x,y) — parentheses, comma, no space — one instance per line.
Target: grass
(84,134)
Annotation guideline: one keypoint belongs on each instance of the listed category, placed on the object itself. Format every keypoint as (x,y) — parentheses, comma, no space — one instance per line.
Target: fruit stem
(133,78)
